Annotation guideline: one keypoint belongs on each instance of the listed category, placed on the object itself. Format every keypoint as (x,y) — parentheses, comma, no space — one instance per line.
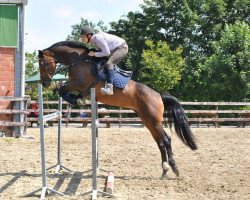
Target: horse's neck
(68,56)
(81,69)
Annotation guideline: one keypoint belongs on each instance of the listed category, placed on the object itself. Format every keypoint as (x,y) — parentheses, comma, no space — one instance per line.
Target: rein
(84,59)
(62,67)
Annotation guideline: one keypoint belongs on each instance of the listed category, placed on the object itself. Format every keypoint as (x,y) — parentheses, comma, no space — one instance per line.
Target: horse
(151,106)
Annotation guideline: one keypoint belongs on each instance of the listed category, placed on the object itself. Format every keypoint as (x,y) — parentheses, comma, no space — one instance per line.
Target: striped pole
(110,183)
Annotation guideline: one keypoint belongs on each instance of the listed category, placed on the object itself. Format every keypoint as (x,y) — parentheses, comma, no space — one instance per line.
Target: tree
(228,69)
(76,29)
(199,24)
(31,64)
(31,69)
(134,31)
(193,24)
(163,65)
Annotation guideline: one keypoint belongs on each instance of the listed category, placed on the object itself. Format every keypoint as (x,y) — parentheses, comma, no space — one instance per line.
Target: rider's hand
(91,53)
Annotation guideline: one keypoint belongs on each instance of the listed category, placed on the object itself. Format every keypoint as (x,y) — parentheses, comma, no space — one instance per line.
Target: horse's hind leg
(150,108)
(171,161)
(164,143)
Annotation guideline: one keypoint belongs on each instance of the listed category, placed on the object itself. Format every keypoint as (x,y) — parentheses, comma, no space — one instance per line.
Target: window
(8,25)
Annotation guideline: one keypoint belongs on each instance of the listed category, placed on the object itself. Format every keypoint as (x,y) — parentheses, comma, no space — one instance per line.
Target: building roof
(14,2)
(36,78)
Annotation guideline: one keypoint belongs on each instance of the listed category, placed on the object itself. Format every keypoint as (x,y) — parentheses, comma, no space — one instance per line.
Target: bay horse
(149,105)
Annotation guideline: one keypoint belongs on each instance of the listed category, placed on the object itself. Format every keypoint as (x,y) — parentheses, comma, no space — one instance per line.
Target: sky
(50,21)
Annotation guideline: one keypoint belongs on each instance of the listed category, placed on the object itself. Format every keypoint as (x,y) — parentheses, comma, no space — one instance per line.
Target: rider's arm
(101,43)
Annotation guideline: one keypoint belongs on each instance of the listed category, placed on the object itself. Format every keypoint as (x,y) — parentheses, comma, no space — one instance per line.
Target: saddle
(121,77)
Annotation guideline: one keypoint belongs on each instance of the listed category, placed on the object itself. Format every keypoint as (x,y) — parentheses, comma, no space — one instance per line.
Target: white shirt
(107,43)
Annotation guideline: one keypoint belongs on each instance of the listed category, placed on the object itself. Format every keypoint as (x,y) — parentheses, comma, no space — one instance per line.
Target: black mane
(79,45)
(72,44)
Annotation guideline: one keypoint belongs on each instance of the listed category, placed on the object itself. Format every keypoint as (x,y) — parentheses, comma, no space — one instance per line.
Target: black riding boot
(108,89)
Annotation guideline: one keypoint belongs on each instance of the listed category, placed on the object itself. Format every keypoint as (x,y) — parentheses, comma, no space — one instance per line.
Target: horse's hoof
(176,171)
(174,168)
(165,167)
(164,176)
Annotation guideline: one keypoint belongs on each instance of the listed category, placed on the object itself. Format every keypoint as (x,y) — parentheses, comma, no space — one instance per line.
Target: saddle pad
(120,81)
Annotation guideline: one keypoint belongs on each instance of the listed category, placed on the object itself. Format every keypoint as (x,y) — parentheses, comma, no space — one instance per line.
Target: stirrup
(108,89)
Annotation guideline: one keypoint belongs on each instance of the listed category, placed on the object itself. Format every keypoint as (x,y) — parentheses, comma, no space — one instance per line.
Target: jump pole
(59,165)
(95,161)
(110,183)
(43,118)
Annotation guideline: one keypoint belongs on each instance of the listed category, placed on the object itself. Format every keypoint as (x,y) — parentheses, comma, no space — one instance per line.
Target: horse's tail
(175,113)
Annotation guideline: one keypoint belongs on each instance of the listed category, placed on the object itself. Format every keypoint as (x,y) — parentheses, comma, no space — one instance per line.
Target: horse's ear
(40,53)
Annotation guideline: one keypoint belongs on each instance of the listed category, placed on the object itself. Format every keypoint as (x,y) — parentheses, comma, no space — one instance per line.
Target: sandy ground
(219,169)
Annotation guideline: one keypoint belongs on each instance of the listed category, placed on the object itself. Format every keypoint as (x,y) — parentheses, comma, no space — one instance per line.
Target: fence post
(120,117)
(25,116)
(67,115)
(217,116)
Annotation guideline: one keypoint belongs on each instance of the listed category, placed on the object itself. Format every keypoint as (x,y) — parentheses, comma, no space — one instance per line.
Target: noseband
(46,65)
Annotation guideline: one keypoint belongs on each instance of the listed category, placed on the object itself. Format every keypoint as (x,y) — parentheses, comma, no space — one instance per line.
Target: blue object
(120,79)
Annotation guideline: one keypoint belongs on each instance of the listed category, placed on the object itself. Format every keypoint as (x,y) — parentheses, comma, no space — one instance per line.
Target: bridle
(50,72)
(46,65)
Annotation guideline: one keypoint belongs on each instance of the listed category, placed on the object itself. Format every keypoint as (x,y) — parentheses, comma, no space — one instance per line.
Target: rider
(110,46)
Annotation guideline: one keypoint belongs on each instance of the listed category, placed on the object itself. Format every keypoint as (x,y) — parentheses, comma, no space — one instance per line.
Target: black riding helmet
(87,30)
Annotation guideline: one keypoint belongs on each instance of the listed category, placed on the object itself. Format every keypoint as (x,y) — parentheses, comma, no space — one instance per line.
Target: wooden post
(120,117)
(216,117)
(25,117)
(67,115)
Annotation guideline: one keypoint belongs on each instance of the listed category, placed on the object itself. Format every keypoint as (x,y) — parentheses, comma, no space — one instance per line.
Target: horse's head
(47,66)
(67,53)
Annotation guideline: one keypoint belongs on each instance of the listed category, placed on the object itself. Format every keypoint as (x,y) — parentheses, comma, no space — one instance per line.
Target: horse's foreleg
(64,92)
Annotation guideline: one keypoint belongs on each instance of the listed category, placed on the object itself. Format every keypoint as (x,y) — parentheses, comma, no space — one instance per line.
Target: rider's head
(86,34)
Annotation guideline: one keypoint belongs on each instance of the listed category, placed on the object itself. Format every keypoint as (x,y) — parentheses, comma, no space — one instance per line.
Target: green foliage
(228,69)
(213,34)
(76,29)
(134,31)
(32,90)
(31,64)
(162,67)
(31,69)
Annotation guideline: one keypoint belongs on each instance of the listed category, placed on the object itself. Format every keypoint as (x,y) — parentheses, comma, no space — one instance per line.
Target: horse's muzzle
(46,83)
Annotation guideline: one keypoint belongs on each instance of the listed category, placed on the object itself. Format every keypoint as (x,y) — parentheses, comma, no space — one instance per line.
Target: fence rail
(13,115)
(107,114)
(122,116)
(14,101)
